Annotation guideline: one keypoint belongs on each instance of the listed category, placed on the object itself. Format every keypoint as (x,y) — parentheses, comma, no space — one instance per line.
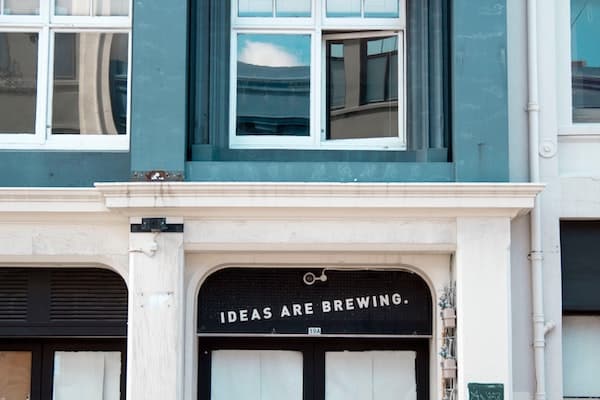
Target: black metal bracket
(156,225)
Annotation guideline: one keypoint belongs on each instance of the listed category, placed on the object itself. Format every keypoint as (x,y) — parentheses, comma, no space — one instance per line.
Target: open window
(323,77)
(271,79)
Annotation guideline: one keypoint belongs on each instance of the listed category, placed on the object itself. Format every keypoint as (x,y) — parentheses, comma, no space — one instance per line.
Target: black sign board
(314,301)
(486,391)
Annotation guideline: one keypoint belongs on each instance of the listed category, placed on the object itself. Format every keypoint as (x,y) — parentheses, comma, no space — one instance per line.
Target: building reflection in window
(18,81)
(273,84)
(90,83)
(362,88)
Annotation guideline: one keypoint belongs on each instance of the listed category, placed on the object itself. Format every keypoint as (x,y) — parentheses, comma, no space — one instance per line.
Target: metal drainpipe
(540,327)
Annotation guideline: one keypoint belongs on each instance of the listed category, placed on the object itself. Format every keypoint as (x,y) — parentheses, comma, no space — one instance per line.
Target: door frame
(313,349)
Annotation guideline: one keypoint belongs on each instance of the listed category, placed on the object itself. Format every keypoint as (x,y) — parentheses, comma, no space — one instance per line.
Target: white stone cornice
(190,198)
(51,200)
(215,199)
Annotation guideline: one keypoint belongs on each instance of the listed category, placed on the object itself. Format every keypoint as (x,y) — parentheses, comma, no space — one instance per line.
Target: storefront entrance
(62,334)
(313,369)
(314,334)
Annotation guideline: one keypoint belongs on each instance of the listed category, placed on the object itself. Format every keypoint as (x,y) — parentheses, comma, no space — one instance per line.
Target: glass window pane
(581,356)
(343,8)
(255,8)
(256,375)
(585,60)
(22,7)
(293,8)
(15,375)
(381,8)
(90,375)
(370,76)
(90,83)
(111,7)
(273,85)
(18,81)
(370,375)
(337,77)
(72,7)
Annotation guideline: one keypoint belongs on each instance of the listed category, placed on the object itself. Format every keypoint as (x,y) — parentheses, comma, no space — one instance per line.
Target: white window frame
(315,26)
(46,24)
(566,126)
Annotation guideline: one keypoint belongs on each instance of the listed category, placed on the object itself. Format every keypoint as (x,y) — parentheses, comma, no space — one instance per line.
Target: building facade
(311,199)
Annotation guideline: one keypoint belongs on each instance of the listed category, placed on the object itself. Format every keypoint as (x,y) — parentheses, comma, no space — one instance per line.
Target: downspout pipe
(540,328)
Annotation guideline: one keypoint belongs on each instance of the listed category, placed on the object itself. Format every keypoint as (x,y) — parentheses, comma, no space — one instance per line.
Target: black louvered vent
(87,295)
(39,302)
(14,283)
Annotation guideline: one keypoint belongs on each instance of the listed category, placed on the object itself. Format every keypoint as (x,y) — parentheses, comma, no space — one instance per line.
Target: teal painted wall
(479,115)
(61,169)
(159,127)
(159,86)
(480,91)
(293,171)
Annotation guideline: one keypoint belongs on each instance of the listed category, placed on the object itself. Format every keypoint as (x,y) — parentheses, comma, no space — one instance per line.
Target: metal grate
(87,295)
(14,284)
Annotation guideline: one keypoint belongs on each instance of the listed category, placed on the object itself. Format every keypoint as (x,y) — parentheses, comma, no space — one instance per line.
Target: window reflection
(381,8)
(21,7)
(293,8)
(273,85)
(343,8)
(362,88)
(255,8)
(111,7)
(72,7)
(90,83)
(585,60)
(18,81)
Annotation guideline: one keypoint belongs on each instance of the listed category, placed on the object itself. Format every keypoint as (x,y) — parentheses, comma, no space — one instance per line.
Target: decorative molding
(480,198)
(221,199)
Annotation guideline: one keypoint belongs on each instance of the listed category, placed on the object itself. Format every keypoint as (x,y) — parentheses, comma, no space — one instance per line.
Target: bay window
(64,74)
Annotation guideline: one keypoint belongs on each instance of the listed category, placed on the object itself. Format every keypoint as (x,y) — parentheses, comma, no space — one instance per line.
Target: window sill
(579,130)
(116,143)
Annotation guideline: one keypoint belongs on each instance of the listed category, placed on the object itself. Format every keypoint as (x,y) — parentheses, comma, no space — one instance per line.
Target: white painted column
(156,309)
(484,348)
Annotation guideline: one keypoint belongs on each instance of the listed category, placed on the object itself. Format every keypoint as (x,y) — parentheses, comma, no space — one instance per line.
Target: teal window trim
(210,76)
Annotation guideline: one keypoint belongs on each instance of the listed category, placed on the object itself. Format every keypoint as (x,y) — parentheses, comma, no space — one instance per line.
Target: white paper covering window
(381,8)
(256,375)
(89,375)
(293,8)
(370,375)
(255,8)
(343,8)
(581,356)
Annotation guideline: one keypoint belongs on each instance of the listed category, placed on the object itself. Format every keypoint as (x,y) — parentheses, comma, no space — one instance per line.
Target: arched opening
(314,334)
(62,333)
